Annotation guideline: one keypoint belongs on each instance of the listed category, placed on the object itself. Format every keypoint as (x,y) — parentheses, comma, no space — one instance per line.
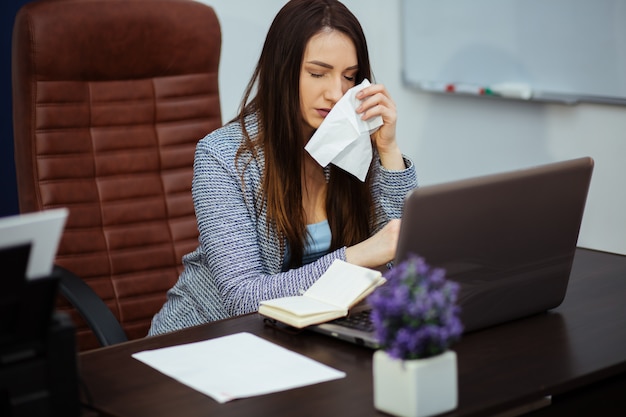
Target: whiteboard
(562,50)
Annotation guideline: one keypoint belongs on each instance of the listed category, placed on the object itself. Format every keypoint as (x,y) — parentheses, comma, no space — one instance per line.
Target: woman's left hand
(375,101)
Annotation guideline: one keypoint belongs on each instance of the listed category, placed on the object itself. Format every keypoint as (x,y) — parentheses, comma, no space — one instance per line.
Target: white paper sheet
(343,139)
(237,366)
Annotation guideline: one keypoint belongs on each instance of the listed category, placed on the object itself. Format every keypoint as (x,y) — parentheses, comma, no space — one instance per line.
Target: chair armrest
(91,307)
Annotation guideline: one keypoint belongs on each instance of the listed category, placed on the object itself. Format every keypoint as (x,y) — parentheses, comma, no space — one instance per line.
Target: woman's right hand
(378,249)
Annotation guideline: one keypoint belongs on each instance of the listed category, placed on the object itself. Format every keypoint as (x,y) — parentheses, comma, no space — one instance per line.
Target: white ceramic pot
(416,387)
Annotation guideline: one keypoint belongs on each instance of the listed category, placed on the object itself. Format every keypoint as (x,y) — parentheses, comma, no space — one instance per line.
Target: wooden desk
(576,350)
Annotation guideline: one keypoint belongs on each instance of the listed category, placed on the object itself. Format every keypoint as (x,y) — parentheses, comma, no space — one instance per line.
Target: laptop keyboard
(358,321)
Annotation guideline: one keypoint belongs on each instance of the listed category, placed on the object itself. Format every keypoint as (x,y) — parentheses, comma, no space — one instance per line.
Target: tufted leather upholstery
(110,98)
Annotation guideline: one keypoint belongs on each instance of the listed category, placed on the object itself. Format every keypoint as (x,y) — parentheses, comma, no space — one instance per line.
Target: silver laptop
(508,239)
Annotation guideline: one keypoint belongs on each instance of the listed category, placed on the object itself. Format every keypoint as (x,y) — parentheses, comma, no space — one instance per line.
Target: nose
(334,90)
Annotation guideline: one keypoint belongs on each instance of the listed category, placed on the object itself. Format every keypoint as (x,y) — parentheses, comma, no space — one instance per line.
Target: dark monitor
(38,372)
(26,306)
(13,261)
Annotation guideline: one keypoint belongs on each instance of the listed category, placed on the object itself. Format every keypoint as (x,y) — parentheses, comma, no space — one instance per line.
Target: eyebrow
(325,65)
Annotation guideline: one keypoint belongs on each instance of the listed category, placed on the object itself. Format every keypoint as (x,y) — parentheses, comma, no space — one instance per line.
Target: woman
(271,220)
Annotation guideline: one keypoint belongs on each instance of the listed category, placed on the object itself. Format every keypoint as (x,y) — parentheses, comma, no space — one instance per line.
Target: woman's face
(328,70)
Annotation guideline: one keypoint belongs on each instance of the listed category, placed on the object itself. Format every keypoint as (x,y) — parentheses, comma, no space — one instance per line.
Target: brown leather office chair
(110,98)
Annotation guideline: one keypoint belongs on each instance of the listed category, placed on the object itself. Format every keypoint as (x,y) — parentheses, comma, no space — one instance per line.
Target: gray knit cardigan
(238,263)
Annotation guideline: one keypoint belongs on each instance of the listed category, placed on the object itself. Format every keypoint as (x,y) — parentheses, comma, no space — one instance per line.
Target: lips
(323,112)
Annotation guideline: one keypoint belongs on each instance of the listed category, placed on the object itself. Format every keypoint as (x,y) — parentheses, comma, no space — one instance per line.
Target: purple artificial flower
(415,313)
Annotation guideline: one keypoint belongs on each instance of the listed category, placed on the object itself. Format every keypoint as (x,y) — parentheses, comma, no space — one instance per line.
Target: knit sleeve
(389,189)
(241,255)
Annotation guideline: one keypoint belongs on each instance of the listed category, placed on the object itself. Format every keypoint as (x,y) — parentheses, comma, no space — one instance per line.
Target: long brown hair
(280,136)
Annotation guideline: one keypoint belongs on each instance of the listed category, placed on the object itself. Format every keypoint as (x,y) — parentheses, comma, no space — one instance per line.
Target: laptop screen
(509,239)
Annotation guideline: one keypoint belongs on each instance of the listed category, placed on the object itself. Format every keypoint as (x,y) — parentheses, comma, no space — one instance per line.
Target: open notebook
(508,239)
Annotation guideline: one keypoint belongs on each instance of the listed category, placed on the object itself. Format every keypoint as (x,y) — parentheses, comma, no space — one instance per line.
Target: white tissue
(343,139)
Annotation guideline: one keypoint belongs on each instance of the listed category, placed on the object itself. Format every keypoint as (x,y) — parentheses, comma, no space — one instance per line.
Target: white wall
(457,137)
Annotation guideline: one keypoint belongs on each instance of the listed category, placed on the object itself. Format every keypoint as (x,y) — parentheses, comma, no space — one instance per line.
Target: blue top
(318,241)
(316,246)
